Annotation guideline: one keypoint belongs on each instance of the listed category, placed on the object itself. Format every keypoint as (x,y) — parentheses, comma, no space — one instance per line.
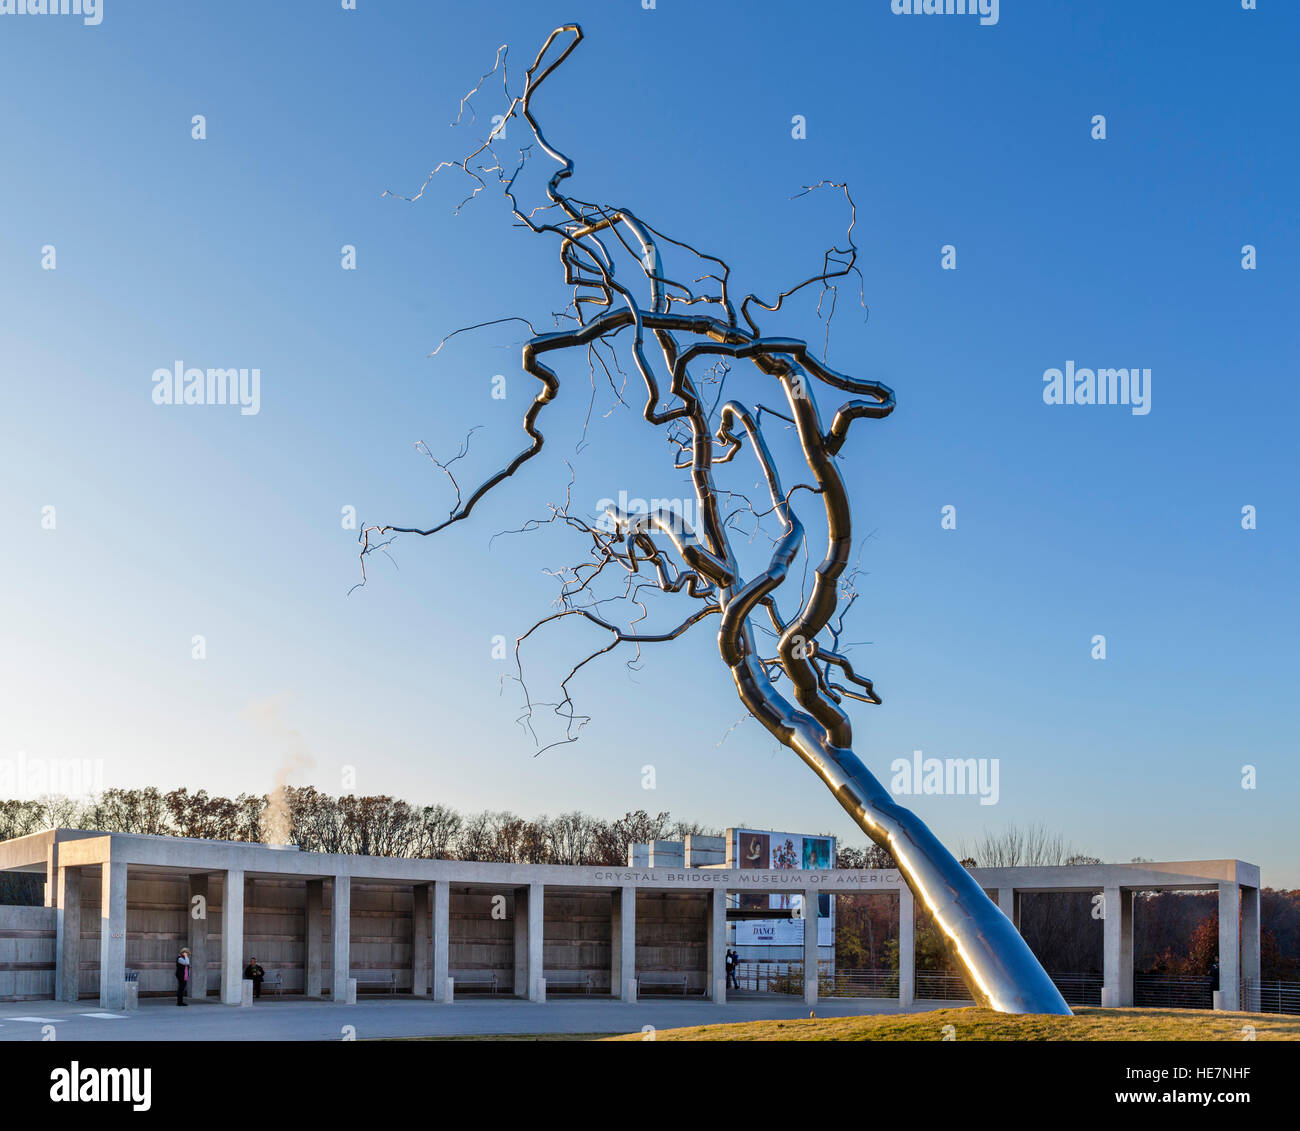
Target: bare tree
(436,832)
(1027,846)
(201,816)
(683,829)
(59,812)
(129,811)
(873,856)
(251,817)
(376,825)
(477,840)
(571,837)
(614,838)
(315,821)
(733,558)
(21,818)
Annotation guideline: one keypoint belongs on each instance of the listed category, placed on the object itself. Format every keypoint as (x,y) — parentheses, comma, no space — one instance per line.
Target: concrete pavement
(287,1020)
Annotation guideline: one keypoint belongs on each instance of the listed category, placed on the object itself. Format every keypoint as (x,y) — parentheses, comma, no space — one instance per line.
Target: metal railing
(1173,991)
(770,977)
(1079,989)
(1270,997)
(859,983)
(1153,991)
(932,985)
(787,978)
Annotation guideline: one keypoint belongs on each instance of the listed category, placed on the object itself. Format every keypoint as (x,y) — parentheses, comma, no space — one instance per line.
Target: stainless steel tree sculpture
(698,334)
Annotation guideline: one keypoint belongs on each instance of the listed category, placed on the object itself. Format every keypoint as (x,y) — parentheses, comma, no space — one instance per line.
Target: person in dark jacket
(254,973)
(182,975)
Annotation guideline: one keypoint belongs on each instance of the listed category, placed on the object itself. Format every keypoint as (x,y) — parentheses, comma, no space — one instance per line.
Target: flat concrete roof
(85,848)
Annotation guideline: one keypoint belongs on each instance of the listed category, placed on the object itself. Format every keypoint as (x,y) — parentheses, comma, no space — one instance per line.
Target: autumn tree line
(1176,932)
(364,826)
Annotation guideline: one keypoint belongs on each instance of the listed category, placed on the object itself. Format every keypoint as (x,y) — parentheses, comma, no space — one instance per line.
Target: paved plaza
(159,1019)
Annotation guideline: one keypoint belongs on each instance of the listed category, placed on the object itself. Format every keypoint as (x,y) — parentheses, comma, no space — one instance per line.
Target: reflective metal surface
(686,325)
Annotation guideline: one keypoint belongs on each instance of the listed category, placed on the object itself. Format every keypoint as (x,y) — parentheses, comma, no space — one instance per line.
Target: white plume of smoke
(267,716)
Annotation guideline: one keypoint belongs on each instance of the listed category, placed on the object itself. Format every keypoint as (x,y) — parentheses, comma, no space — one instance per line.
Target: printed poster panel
(754,852)
(780,932)
(781,851)
(787,852)
(817,852)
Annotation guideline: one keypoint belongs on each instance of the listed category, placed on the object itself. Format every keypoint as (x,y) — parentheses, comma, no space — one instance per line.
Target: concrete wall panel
(27,937)
(481,944)
(672,936)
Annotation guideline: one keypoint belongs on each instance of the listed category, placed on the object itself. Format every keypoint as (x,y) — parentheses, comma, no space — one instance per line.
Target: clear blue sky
(1072,521)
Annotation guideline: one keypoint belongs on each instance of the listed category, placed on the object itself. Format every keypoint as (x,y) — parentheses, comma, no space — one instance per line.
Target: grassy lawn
(513,1037)
(970,1024)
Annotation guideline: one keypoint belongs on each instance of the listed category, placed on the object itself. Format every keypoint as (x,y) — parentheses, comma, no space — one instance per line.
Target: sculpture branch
(692,330)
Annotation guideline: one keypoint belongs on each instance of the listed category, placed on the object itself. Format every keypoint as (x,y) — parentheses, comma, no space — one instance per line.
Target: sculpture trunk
(1000,969)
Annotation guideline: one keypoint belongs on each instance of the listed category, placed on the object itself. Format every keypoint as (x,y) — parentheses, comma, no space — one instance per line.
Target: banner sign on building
(773,850)
(781,932)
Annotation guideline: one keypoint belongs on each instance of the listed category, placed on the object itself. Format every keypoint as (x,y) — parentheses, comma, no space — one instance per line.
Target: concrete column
(716,962)
(1126,901)
(112,936)
(520,984)
(536,929)
(1229,946)
(196,915)
(906,947)
(441,938)
(622,944)
(1250,961)
(810,972)
(1117,948)
(67,941)
(340,939)
(232,937)
(420,940)
(1009,905)
(615,951)
(51,893)
(314,938)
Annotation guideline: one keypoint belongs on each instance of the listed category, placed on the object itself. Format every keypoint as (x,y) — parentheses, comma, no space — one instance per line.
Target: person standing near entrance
(254,973)
(732,983)
(182,975)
